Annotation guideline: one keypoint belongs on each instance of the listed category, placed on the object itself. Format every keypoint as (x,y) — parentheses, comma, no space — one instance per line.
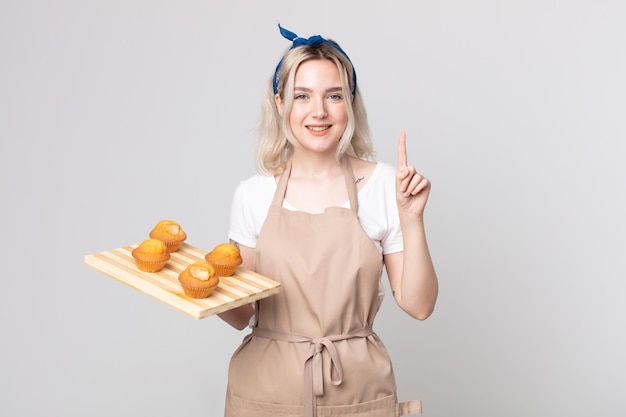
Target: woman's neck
(317,167)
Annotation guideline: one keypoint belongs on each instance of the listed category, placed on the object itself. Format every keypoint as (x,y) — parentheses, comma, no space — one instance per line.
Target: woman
(323,218)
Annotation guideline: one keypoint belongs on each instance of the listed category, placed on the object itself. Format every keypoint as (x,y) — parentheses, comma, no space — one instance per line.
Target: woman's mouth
(318,129)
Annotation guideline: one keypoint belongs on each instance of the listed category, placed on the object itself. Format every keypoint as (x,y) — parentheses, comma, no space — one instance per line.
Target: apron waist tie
(313,369)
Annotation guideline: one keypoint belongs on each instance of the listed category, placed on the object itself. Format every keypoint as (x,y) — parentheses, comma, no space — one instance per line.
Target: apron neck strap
(350,183)
(281,187)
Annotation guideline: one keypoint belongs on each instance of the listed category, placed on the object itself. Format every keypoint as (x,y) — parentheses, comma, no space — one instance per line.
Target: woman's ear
(279,104)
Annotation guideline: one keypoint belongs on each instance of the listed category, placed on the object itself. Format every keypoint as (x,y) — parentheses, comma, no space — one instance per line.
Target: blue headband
(312,41)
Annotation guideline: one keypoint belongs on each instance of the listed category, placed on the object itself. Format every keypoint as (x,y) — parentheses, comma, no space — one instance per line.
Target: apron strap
(409,407)
(281,187)
(350,184)
(313,367)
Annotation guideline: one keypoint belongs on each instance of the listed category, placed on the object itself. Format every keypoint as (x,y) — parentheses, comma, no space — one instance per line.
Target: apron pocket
(241,407)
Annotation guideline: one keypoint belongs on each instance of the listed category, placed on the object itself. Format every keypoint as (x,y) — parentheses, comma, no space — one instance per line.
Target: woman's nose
(319,108)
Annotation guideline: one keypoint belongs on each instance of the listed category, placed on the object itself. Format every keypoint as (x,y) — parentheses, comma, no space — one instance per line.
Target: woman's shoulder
(382,173)
(255,188)
(258,180)
(368,169)
(254,193)
(385,169)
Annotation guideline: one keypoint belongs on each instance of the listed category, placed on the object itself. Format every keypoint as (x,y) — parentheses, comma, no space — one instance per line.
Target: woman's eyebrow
(308,90)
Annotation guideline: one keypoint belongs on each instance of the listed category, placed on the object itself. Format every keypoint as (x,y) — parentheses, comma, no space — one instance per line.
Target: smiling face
(318,115)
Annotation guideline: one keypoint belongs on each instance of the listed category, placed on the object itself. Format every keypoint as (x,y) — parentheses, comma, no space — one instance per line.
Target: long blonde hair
(276,139)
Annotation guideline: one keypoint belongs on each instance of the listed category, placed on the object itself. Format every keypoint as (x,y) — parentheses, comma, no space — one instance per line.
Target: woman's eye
(335,97)
(300,97)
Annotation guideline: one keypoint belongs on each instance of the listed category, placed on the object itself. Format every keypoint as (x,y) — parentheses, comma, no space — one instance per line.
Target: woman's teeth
(318,128)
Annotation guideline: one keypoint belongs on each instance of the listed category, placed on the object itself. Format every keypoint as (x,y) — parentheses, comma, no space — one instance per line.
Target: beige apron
(313,351)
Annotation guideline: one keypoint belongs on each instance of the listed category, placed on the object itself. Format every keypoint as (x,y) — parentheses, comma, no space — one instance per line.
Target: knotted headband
(312,41)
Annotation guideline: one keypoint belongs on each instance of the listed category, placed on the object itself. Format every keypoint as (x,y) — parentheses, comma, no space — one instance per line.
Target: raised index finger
(402,151)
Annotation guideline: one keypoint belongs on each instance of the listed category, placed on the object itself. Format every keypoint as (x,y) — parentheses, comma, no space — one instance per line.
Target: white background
(116,114)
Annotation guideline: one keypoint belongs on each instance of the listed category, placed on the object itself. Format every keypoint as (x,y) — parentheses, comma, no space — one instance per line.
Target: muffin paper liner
(224,270)
(197,292)
(173,246)
(149,266)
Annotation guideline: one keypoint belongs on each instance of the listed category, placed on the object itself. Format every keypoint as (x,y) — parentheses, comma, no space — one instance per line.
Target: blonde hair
(276,140)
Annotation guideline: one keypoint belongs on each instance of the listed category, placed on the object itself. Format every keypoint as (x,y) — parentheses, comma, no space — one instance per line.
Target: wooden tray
(244,287)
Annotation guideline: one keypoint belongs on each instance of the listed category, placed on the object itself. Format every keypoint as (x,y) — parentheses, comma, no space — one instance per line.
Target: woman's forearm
(418,287)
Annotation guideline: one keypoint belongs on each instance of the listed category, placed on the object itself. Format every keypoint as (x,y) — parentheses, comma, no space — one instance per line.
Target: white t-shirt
(378,211)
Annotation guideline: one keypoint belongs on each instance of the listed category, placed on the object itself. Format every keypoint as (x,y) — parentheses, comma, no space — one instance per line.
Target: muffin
(225,258)
(198,279)
(170,233)
(151,255)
